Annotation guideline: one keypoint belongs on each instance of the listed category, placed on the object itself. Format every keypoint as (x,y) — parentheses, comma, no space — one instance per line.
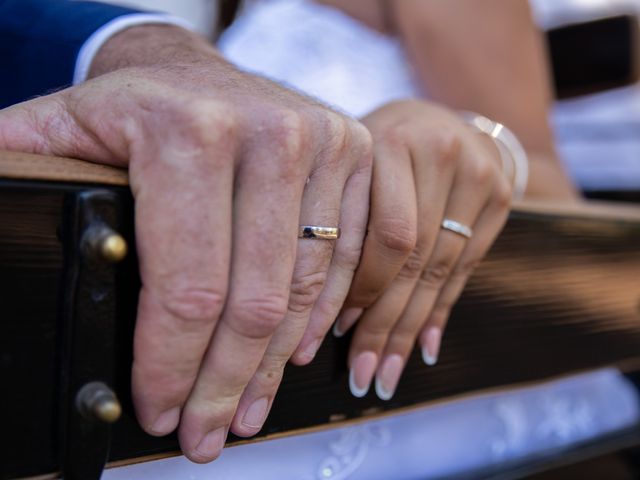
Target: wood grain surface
(26,166)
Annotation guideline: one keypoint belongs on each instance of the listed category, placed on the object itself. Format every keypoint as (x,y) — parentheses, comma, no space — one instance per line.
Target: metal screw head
(107,410)
(113,247)
(101,242)
(97,401)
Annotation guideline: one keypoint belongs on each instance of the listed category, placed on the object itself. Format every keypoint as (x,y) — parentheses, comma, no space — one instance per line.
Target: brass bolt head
(96,400)
(113,247)
(107,410)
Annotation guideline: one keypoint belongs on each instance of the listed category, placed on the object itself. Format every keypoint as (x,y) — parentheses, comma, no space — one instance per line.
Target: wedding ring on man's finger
(456,227)
(318,232)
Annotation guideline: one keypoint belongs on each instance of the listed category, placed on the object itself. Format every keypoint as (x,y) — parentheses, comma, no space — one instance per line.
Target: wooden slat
(26,166)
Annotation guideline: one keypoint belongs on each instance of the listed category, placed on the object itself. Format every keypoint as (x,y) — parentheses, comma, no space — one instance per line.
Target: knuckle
(305,290)
(257,317)
(445,145)
(434,276)
(503,195)
(402,339)
(348,255)
(288,129)
(207,410)
(288,133)
(194,306)
(338,141)
(414,265)
(396,235)
(202,123)
(372,336)
(361,139)
(482,173)
(327,307)
(47,124)
(365,295)
(441,312)
(199,134)
(171,385)
(397,136)
(466,268)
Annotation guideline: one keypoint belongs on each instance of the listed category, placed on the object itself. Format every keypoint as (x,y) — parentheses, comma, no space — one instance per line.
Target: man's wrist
(151,45)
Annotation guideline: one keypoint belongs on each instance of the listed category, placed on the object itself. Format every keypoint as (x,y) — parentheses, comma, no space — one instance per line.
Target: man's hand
(224,167)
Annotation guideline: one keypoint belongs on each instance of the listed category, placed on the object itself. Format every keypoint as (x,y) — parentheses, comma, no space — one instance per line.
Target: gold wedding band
(457,227)
(314,231)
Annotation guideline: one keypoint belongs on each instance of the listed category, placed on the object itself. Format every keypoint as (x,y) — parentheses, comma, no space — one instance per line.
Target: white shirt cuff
(91,46)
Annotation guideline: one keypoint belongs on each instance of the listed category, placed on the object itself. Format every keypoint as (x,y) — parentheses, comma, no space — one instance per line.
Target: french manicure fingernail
(167,421)
(388,377)
(431,346)
(309,353)
(361,373)
(346,320)
(256,414)
(211,445)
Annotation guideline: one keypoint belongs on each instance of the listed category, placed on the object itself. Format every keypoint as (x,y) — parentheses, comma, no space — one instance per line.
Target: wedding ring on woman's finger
(456,227)
(318,232)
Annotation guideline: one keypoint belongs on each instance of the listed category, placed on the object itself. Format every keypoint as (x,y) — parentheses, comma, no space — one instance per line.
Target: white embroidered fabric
(326,54)
(449,439)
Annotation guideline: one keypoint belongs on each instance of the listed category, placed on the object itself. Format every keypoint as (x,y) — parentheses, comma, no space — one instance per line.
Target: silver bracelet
(514,158)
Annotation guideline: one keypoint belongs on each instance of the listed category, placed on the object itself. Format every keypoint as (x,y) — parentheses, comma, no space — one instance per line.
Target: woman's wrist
(515,162)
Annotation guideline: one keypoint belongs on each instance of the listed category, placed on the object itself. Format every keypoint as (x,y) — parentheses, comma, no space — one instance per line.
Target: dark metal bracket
(88,405)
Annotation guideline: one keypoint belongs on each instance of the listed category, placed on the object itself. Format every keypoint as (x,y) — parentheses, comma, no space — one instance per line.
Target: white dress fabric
(455,438)
(321,52)
(332,57)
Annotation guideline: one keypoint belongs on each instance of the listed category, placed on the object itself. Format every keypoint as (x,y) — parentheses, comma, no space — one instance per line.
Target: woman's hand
(428,166)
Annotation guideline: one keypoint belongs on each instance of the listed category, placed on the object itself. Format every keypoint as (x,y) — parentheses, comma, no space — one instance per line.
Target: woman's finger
(392,229)
(468,195)
(487,228)
(434,156)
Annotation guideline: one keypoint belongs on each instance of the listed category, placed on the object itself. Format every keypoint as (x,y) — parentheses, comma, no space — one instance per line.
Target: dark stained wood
(30,271)
(26,166)
(558,293)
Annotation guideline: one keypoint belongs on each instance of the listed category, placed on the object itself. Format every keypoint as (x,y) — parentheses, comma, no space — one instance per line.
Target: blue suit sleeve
(40,40)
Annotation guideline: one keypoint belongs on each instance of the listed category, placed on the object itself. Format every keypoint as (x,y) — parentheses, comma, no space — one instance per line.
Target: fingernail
(211,445)
(309,353)
(387,379)
(346,320)
(431,346)
(167,421)
(255,415)
(361,373)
